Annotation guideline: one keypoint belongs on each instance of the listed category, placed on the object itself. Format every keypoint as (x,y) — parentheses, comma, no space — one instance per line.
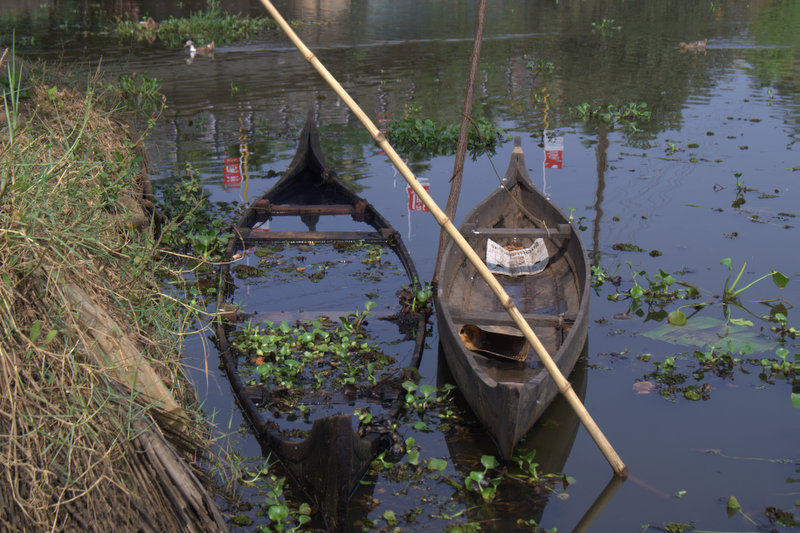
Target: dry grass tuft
(82,451)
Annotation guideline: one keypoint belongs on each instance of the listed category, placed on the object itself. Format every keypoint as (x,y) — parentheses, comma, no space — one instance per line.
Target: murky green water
(670,186)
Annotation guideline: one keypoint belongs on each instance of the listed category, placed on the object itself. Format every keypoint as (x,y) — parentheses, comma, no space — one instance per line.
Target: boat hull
(506,395)
(331,460)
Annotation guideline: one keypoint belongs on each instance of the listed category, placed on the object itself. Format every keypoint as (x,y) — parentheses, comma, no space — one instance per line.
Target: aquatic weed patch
(628,116)
(723,348)
(282,262)
(210,25)
(457,493)
(425,138)
(315,366)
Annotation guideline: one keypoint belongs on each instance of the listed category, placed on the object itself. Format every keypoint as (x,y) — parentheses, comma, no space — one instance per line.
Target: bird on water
(206,49)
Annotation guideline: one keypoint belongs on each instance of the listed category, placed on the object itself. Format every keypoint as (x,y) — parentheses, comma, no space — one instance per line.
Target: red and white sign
(553,152)
(414,201)
(233,172)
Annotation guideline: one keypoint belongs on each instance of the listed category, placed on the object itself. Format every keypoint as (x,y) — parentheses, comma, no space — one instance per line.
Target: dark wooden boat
(329,459)
(501,377)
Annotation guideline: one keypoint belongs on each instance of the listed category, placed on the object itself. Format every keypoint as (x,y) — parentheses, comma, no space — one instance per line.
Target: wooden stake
(505,300)
(463,138)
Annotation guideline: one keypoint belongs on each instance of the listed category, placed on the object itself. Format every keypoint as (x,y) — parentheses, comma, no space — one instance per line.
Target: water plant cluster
(628,115)
(478,481)
(605,27)
(308,363)
(139,93)
(210,25)
(423,138)
(197,229)
(740,344)
(284,261)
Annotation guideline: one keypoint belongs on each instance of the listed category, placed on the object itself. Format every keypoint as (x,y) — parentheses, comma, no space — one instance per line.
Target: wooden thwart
(294,210)
(563,231)
(254,236)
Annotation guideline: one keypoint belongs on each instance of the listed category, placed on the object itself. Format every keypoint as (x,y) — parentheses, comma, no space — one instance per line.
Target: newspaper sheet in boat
(526,261)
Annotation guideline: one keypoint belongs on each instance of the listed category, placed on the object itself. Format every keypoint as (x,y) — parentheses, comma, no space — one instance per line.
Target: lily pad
(699,332)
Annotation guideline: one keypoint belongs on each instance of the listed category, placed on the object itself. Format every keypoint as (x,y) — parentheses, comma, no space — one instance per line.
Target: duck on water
(205,50)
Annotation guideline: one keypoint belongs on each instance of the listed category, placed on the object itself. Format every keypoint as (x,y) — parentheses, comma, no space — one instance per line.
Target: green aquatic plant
(311,356)
(605,26)
(139,92)
(539,65)
(418,297)
(628,115)
(731,293)
(426,138)
(478,481)
(213,24)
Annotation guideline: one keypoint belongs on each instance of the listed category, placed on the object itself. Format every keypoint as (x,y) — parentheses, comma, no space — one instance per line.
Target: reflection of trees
(778,68)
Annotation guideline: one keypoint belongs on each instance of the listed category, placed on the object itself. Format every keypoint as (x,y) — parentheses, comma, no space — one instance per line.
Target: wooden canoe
(329,459)
(501,377)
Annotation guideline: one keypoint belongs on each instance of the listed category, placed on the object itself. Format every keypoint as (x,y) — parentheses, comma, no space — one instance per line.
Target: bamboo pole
(505,300)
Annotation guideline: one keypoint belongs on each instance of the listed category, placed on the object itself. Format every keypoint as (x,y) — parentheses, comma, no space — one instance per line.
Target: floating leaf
(476,476)
(413,457)
(703,331)
(636,292)
(489,461)
(390,517)
(437,464)
(626,247)
(427,390)
(741,322)
(409,386)
(733,504)
(278,512)
(677,318)
(796,400)
(779,279)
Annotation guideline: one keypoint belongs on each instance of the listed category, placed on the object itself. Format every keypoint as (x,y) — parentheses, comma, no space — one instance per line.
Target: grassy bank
(93,399)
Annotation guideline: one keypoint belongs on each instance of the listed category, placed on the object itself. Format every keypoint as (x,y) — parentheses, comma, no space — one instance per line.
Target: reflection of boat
(500,376)
(552,438)
(332,458)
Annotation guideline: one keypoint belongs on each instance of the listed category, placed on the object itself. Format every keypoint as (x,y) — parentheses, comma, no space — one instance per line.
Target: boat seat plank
(561,231)
(264,206)
(308,236)
(501,318)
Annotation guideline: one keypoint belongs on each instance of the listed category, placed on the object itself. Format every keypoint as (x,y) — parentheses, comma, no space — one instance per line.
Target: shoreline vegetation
(100,423)
(214,25)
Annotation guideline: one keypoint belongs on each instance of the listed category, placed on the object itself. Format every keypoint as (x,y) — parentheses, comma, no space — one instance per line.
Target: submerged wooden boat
(329,459)
(498,373)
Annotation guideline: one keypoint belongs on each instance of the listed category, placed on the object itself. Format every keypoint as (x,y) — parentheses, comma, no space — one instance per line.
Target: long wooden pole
(505,300)
(463,137)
